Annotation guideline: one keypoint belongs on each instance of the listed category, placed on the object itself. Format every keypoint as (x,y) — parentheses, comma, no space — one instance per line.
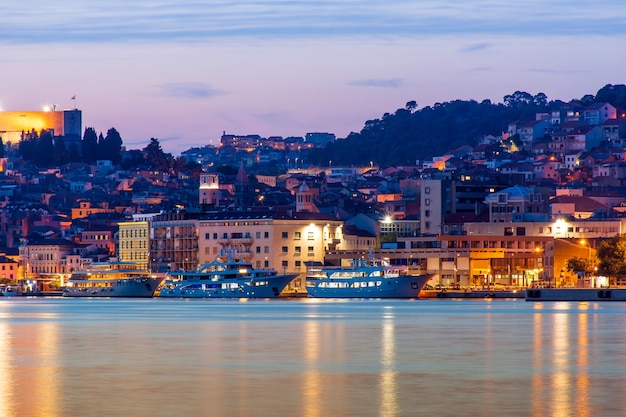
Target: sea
(311,357)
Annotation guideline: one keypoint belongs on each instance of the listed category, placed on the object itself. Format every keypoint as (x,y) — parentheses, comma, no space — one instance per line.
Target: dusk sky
(184,71)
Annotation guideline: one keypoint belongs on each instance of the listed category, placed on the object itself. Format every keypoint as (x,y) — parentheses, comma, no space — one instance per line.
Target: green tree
(540,100)
(577,265)
(587,99)
(90,145)
(155,156)
(61,155)
(28,145)
(44,152)
(111,146)
(614,94)
(612,257)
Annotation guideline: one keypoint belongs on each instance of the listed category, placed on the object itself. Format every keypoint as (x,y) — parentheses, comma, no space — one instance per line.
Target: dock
(473,293)
(576,294)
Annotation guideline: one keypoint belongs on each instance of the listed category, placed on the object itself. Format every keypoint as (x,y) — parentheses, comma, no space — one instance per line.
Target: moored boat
(112,279)
(225,279)
(10,290)
(364,279)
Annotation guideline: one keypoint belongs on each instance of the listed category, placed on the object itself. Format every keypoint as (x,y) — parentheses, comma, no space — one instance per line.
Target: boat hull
(232,288)
(131,287)
(407,286)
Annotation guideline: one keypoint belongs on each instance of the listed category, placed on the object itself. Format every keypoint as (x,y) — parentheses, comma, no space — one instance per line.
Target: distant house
(504,203)
(528,131)
(579,207)
(8,268)
(598,113)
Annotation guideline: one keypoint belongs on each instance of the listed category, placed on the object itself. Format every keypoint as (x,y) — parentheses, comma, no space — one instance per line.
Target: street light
(585,243)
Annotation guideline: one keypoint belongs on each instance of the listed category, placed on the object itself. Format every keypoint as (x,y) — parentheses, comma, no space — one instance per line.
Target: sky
(185,71)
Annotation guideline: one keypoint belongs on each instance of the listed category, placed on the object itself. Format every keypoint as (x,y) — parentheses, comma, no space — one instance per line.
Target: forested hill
(410,134)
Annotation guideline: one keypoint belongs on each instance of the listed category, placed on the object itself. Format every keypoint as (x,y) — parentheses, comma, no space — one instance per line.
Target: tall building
(67,123)
(134,242)
(270,239)
(209,190)
(435,204)
(174,242)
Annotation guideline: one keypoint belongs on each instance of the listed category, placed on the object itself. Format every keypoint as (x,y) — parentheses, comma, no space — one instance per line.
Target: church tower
(304,199)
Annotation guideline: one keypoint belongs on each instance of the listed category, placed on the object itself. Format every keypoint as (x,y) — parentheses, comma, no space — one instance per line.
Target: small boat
(226,279)
(9,290)
(364,279)
(112,279)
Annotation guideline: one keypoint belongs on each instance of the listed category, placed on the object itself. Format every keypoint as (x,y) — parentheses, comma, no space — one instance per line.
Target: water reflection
(365,358)
(311,387)
(388,388)
(561,360)
(29,368)
(6,375)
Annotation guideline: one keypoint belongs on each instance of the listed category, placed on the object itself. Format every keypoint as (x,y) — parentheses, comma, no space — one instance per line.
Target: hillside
(409,134)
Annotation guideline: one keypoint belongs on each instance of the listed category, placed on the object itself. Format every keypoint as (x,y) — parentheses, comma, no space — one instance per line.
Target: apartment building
(282,240)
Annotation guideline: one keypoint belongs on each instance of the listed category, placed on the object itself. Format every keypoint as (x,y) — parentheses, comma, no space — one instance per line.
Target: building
(174,242)
(280,240)
(66,123)
(101,238)
(209,190)
(86,208)
(435,204)
(505,203)
(8,269)
(133,243)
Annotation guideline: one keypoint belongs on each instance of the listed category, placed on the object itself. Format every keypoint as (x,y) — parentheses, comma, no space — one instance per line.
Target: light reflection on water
(62,357)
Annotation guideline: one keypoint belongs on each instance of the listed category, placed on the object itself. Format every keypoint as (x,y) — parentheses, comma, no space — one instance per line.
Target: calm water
(99,357)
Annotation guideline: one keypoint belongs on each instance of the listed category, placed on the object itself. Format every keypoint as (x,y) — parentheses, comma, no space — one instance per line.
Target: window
(310,236)
(298,249)
(285,249)
(285,235)
(214,235)
(285,264)
(427,201)
(521,231)
(297,235)
(258,235)
(427,190)
(258,249)
(266,235)
(310,249)
(266,264)
(298,264)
